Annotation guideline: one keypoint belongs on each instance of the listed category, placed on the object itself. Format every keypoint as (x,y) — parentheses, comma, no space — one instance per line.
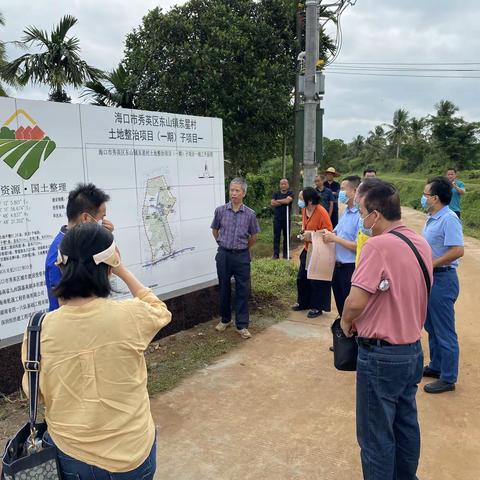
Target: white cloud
(407,31)
(373,30)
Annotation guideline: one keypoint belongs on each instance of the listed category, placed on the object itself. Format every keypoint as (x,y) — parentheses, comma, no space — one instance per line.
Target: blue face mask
(366,231)
(301,203)
(424,203)
(342,196)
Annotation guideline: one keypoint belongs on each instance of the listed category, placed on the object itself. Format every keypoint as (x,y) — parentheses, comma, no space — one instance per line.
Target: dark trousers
(387,424)
(334,216)
(312,293)
(279,228)
(74,469)
(440,325)
(234,264)
(341,283)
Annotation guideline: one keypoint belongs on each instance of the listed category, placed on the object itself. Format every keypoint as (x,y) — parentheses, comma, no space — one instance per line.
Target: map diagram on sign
(158,205)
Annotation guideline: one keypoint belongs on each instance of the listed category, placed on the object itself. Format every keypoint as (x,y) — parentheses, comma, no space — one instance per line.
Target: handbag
(345,349)
(25,456)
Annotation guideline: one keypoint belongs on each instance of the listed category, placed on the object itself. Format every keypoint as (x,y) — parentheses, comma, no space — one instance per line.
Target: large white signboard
(163,172)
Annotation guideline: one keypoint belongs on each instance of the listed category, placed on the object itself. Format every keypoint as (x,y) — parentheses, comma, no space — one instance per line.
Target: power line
(400,63)
(405,69)
(333,72)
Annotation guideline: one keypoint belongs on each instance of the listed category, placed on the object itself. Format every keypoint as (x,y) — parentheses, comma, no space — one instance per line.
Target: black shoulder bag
(25,456)
(428,283)
(345,349)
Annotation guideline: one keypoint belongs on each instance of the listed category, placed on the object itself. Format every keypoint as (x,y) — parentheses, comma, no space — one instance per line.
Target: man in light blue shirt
(443,232)
(345,237)
(458,189)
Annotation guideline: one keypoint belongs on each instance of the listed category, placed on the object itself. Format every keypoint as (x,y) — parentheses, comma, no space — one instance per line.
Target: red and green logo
(26,147)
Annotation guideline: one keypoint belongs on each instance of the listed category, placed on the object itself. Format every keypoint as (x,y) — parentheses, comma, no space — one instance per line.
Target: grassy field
(411,189)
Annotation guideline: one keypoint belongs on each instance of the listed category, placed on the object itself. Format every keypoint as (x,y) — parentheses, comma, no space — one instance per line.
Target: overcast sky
(396,31)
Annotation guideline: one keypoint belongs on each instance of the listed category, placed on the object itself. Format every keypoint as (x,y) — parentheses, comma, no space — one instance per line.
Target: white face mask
(99,222)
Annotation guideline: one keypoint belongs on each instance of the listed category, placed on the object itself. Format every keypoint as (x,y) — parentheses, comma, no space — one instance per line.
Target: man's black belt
(340,264)
(378,342)
(443,269)
(232,250)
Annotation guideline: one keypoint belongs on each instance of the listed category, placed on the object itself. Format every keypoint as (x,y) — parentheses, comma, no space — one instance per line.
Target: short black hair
(353,180)
(310,195)
(452,168)
(442,188)
(367,185)
(369,170)
(384,198)
(81,277)
(85,198)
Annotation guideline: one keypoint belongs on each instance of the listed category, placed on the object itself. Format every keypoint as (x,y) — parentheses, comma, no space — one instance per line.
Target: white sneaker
(243,332)
(221,327)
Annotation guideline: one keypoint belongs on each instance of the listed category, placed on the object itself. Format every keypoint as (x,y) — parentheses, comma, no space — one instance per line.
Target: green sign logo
(25,148)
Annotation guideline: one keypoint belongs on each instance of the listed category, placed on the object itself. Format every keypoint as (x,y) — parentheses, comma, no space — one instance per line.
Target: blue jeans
(72,469)
(387,425)
(440,325)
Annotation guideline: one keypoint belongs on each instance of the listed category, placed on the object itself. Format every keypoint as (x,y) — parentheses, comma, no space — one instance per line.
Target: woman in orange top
(312,294)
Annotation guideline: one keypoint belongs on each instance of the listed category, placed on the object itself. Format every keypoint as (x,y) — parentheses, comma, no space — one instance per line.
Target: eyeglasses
(429,194)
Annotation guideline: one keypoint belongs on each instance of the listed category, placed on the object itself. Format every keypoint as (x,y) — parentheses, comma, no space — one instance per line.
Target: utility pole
(311,102)
(311,83)
(298,112)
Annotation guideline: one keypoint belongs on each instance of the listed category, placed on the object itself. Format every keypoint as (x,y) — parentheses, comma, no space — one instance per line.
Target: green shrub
(411,190)
(274,280)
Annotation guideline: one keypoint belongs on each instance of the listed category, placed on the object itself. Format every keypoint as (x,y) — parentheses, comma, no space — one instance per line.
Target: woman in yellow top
(93,377)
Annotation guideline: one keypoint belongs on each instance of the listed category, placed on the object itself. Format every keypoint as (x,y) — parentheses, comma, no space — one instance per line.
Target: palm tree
(417,126)
(398,130)
(357,145)
(443,123)
(374,146)
(116,93)
(58,65)
(446,108)
(3,59)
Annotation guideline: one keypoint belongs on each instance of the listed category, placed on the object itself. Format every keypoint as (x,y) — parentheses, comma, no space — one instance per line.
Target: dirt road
(276,409)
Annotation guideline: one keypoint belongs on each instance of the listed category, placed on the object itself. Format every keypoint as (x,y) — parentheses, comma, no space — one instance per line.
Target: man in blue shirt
(235,229)
(330,173)
(345,237)
(326,196)
(443,232)
(86,203)
(458,189)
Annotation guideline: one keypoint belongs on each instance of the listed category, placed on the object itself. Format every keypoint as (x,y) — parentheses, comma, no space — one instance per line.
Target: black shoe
(439,386)
(428,372)
(314,313)
(297,308)
(275,257)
